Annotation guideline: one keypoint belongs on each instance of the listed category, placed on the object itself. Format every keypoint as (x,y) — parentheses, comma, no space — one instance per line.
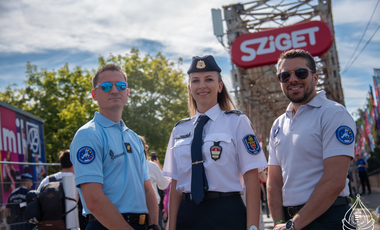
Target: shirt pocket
(211,151)
(182,152)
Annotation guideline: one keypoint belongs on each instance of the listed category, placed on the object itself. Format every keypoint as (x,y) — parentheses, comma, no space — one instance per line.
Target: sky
(49,34)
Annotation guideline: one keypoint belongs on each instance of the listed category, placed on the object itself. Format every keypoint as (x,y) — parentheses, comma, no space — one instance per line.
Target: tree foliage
(158,96)
(63,99)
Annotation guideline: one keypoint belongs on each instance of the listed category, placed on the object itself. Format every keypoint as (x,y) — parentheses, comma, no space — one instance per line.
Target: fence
(11,179)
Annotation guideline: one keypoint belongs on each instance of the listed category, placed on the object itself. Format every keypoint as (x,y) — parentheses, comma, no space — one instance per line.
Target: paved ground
(268,222)
(370,201)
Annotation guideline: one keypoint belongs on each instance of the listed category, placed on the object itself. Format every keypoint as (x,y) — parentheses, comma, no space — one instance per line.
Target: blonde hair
(142,138)
(224,99)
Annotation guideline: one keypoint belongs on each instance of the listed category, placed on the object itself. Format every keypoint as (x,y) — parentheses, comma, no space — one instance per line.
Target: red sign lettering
(265,47)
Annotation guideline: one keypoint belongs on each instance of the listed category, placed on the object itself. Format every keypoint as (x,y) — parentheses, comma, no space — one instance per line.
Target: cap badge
(201,64)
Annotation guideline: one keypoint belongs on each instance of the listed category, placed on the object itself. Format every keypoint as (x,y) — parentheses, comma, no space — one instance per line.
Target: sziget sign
(264,48)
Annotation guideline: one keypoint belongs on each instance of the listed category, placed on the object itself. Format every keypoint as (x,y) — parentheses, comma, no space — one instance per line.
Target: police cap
(203,64)
(26,176)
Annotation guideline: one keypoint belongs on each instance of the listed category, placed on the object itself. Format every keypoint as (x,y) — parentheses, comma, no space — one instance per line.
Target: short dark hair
(111,67)
(295,53)
(25,180)
(64,159)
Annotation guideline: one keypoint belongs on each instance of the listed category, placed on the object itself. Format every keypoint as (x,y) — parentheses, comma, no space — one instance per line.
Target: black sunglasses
(301,73)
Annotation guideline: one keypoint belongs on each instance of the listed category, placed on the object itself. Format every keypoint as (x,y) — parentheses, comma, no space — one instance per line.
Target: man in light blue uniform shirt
(109,162)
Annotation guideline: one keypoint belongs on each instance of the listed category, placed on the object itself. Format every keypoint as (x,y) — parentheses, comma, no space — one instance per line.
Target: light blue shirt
(111,154)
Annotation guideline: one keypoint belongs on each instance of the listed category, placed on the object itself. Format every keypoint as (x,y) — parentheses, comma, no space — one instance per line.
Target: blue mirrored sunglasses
(107,86)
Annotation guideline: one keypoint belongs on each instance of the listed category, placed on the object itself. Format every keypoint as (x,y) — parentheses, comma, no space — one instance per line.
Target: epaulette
(183,120)
(238,112)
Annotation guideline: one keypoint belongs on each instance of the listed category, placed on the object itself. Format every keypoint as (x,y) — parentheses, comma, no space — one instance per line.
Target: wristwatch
(252,227)
(153,226)
(290,225)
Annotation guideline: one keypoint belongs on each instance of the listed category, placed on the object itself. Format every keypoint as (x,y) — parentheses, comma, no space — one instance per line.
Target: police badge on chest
(216,151)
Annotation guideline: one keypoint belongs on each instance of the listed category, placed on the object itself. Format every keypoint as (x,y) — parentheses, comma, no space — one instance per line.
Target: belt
(292,211)
(129,217)
(210,195)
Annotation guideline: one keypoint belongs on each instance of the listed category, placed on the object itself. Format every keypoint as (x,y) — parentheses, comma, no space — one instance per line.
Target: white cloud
(184,28)
(355,13)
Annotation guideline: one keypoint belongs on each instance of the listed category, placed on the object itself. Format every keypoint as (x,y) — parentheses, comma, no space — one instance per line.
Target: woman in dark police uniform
(210,157)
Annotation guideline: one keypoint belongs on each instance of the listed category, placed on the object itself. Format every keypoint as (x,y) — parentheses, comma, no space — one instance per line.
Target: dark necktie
(198,177)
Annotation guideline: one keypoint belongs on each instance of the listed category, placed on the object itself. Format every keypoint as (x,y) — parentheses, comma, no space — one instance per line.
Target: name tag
(182,136)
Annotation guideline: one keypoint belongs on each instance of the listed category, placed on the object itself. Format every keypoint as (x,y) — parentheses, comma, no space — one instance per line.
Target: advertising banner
(21,140)
(264,47)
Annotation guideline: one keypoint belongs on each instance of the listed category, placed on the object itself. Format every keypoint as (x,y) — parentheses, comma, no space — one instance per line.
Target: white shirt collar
(317,101)
(212,113)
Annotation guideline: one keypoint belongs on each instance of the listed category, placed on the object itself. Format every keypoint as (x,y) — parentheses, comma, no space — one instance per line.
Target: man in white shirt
(311,146)
(67,169)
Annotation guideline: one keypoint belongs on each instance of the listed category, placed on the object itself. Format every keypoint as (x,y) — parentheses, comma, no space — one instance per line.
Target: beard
(297,98)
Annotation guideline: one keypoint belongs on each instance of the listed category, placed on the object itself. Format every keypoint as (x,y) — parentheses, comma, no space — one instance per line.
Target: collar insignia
(128,147)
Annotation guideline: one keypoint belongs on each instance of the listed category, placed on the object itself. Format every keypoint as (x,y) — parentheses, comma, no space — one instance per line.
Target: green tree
(158,96)
(63,99)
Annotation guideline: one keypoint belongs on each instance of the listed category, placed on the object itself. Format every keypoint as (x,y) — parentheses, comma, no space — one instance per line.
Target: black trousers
(96,225)
(160,221)
(364,180)
(221,213)
(331,219)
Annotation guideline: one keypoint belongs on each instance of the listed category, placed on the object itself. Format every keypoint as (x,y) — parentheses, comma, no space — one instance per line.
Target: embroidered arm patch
(345,135)
(252,144)
(86,155)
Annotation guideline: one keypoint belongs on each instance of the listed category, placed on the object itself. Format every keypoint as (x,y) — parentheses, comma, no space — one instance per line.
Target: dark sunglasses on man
(107,86)
(301,73)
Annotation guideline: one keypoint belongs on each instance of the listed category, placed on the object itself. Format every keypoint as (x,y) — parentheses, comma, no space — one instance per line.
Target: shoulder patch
(345,135)
(252,144)
(183,120)
(86,155)
(238,112)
